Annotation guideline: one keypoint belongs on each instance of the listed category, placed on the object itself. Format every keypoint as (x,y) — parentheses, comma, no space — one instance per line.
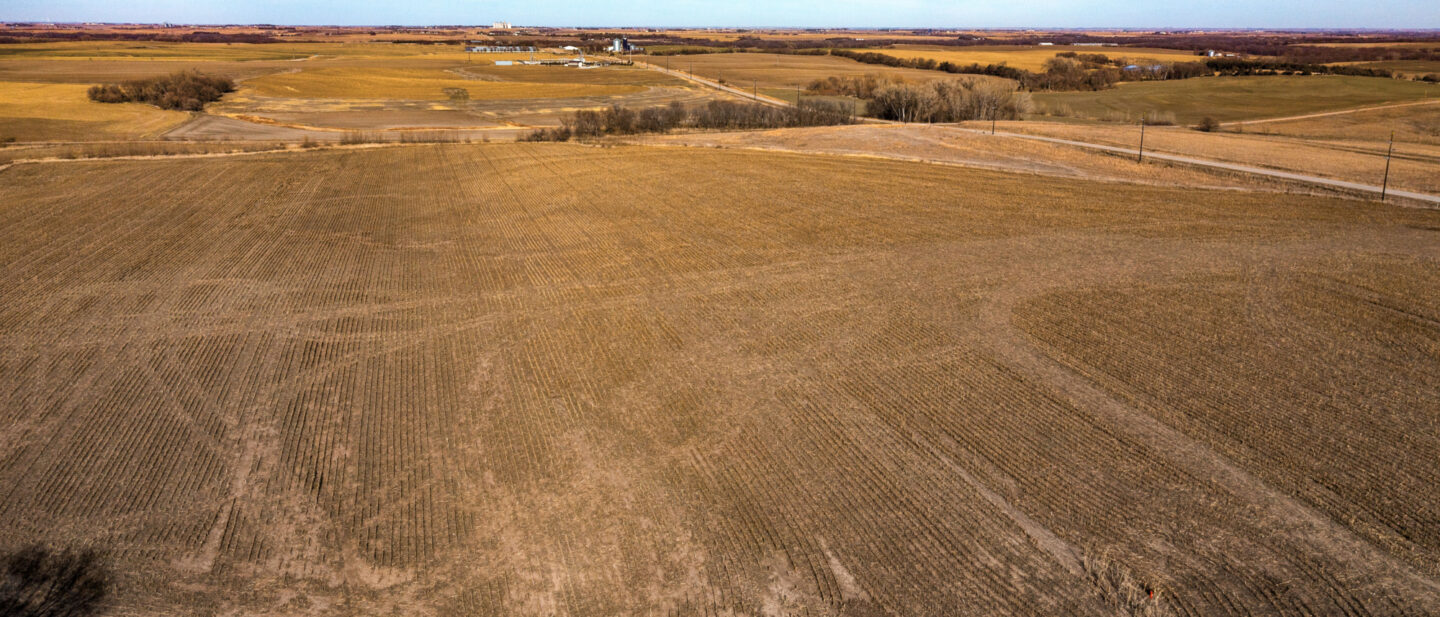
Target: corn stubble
(542,379)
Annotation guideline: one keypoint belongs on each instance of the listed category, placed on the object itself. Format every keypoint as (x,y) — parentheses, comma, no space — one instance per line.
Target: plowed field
(547,379)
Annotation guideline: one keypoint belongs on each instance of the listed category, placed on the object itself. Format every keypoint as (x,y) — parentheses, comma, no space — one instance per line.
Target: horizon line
(750,27)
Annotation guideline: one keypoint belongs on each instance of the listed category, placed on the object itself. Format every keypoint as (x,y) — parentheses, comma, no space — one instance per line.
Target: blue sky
(809,13)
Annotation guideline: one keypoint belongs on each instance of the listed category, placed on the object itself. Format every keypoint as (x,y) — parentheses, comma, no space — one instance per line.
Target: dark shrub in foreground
(36,582)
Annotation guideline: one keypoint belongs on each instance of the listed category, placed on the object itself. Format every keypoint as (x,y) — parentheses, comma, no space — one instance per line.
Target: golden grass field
(1030,57)
(551,379)
(39,111)
(329,87)
(104,61)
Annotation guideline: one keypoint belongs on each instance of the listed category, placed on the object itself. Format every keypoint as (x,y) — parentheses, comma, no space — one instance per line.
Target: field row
(541,380)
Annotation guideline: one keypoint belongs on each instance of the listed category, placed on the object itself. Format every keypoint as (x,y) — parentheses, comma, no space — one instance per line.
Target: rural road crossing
(718,86)
(1354,186)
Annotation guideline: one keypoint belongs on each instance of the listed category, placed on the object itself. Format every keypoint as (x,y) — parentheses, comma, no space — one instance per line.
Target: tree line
(1074,71)
(197,36)
(1306,49)
(729,115)
(183,91)
(1068,74)
(1237,66)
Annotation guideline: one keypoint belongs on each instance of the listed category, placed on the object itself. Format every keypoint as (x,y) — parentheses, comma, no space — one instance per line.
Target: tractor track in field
(1300,522)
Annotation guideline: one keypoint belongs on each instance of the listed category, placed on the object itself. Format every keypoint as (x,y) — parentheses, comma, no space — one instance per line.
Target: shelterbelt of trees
(730,115)
(1072,71)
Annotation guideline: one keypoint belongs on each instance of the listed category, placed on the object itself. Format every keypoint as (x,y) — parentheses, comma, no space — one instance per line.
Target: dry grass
(108,71)
(611,75)
(562,380)
(782,70)
(1407,68)
(130,148)
(1415,166)
(413,84)
(944,145)
(62,112)
(1415,123)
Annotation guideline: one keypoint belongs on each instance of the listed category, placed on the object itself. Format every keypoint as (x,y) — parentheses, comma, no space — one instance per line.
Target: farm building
(498,49)
(622,44)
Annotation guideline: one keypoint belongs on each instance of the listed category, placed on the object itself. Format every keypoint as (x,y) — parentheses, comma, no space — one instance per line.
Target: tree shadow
(39,582)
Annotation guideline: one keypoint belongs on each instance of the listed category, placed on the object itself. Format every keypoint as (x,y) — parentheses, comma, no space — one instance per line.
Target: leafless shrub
(457,95)
(184,91)
(1160,118)
(559,133)
(952,100)
(714,115)
(351,138)
(863,86)
(429,137)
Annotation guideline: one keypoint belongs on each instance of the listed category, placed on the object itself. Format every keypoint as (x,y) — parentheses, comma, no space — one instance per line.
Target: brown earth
(540,379)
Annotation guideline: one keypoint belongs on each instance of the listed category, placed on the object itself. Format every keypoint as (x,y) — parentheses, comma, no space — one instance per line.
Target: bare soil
(551,379)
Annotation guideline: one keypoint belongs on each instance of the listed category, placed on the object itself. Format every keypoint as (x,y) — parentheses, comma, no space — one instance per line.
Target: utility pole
(994,113)
(754,91)
(1141,159)
(1385,186)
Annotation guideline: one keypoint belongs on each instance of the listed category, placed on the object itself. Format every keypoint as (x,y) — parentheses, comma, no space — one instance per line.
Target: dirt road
(1331,113)
(1354,186)
(751,95)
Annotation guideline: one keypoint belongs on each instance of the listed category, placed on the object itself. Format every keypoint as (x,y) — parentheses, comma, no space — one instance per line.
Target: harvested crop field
(1030,57)
(414,84)
(783,70)
(546,379)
